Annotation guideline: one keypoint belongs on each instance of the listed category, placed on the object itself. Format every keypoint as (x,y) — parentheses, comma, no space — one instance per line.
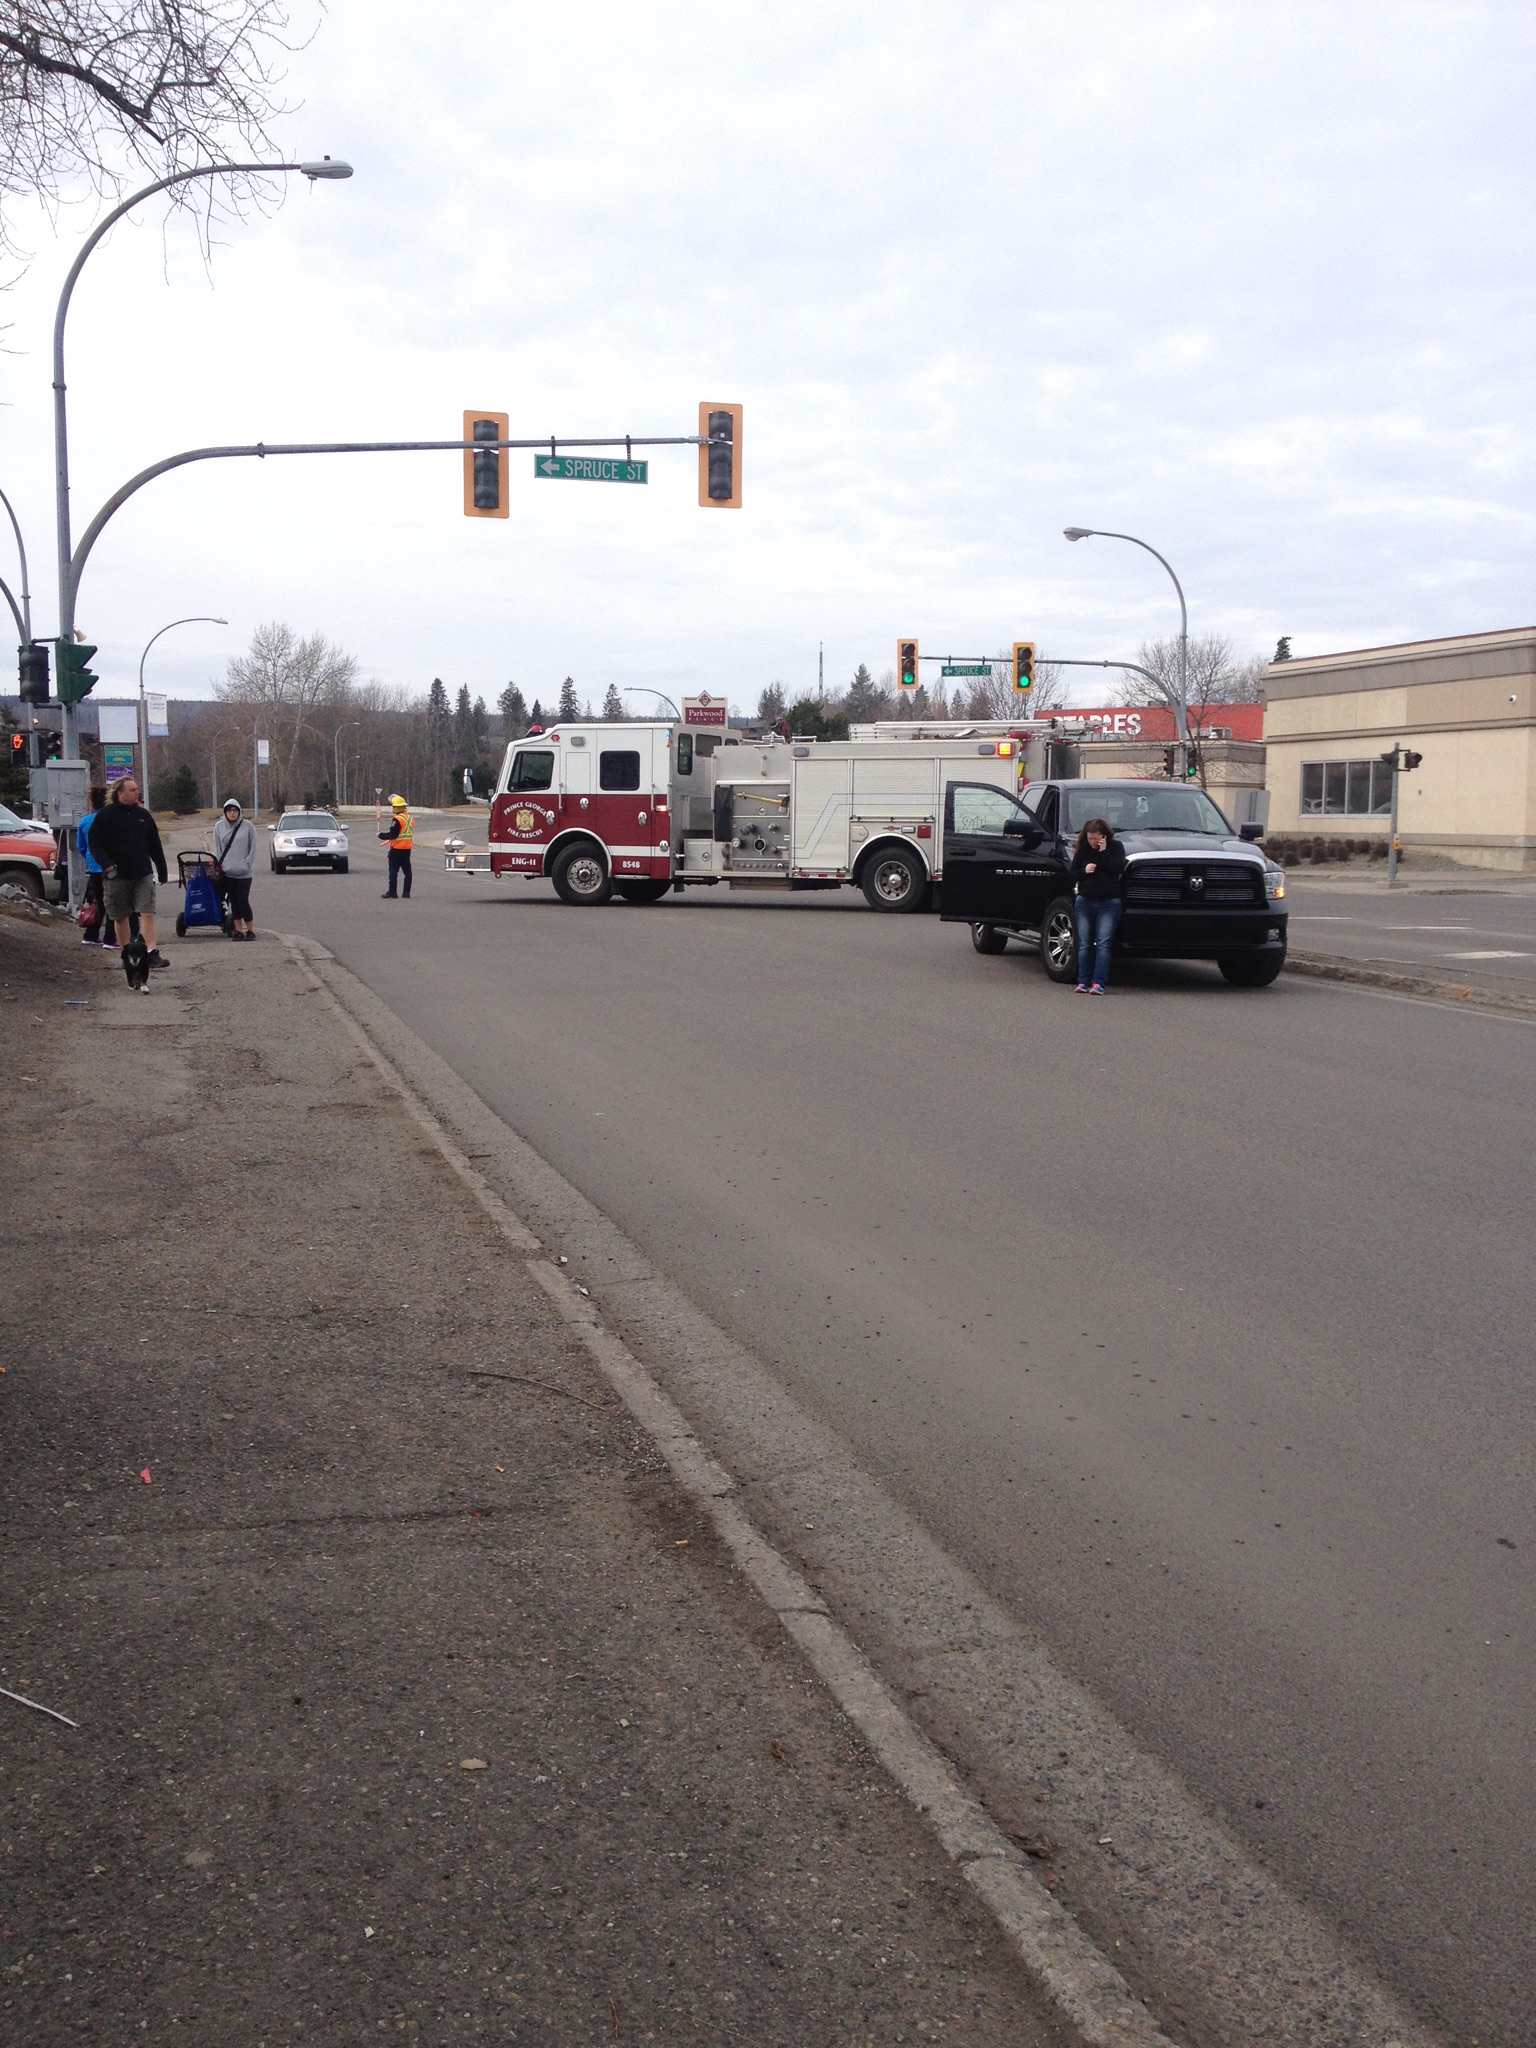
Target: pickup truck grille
(1195,884)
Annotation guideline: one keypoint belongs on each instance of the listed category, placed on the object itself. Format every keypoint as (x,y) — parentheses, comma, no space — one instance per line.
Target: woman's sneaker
(1081,989)
(1097,989)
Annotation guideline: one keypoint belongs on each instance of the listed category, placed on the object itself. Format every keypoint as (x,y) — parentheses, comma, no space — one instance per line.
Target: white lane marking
(1494,954)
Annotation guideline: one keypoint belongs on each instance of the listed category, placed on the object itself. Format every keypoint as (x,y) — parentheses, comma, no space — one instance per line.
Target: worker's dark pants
(399,871)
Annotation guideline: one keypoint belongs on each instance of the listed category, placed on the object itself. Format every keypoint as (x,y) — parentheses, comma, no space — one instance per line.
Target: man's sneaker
(158,959)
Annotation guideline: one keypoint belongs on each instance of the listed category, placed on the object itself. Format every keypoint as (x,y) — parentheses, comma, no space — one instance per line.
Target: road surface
(1196,1322)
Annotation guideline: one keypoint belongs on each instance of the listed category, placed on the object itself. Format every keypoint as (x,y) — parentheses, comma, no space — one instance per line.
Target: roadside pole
(255,778)
(1395,757)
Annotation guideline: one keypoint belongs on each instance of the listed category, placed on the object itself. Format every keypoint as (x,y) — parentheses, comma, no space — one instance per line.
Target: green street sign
(966,668)
(593,469)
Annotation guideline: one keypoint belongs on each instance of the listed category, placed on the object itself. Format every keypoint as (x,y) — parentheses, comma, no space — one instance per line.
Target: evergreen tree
(569,707)
(816,718)
(613,704)
(1283,647)
(183,791)
(536,715)
(514,712)
(770,705)
(463,728)
(479,724)
(863,699)
(439,739)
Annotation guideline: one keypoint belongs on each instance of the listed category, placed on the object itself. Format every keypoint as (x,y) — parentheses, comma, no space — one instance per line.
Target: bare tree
(285,684)
(93,89)
(1217,675)
(993,695)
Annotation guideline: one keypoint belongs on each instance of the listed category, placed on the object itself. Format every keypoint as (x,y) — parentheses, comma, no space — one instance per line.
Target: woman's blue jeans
(1096,924)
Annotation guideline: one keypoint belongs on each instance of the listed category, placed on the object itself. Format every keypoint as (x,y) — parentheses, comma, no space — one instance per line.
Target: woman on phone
(1098,876)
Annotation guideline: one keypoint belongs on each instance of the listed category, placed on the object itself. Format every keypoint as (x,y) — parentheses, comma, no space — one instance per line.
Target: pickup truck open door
(999,860)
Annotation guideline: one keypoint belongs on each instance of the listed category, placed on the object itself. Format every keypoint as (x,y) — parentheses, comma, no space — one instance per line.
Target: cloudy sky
(1251,281)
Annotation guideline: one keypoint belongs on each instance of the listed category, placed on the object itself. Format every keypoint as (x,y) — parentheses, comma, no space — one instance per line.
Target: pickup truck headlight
(283,844)
(1274,884)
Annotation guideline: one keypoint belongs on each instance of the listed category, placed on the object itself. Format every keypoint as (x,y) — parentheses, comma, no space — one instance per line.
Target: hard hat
(397,803)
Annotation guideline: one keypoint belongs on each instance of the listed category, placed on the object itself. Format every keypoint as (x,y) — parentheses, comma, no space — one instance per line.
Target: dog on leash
(136,962)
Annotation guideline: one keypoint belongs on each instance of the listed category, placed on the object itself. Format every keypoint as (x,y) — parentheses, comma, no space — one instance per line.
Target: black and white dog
(136,962)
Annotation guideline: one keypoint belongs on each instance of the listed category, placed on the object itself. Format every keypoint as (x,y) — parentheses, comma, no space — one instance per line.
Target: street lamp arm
(1103,533)
(197,619)
(21,629)
(111,220)
(25,616)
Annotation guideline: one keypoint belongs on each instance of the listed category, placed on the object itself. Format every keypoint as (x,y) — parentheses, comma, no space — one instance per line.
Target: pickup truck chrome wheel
(580,876)
(895,881)
(1058,941)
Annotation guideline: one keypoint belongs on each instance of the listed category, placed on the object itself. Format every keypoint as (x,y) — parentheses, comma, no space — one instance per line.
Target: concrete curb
(1085,1990)
(1332,967)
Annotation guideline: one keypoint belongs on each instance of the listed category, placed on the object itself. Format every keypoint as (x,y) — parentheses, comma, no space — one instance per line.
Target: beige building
(1467,704)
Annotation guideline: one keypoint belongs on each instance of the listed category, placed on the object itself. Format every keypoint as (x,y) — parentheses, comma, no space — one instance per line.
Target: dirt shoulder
(413,1698)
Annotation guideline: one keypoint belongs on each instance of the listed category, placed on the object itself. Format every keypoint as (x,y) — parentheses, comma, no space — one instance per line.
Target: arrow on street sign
(966,668)
(592,469)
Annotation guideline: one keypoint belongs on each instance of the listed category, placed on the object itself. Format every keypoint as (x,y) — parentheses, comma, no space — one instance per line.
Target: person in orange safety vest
(400,836)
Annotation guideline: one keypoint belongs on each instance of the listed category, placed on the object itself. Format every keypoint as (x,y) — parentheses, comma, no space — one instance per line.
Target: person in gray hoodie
(234,848)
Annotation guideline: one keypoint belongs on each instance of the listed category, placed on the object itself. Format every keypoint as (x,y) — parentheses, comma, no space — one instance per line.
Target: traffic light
(720,456)
(18,744)
(1412,760)
(53,745)
(32,667)
(1170,761)
(485,469)
(72,667)
(1023,665)
(906,664)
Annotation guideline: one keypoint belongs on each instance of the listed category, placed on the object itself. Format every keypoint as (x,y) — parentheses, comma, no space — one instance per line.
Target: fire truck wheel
(580,875)
(986,938)
(895,880)
(643,891)
(1058,941)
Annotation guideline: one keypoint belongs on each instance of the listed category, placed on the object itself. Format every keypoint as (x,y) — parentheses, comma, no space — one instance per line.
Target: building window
(616,770)
(1345,789)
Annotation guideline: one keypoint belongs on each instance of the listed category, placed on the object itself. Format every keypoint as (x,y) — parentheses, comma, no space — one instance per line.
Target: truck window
(685,753)
(618,770)
(980,810)
(532,771)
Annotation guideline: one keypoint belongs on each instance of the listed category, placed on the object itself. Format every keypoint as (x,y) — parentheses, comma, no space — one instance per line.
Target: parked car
(28,853)
(308,839)
(1194,888)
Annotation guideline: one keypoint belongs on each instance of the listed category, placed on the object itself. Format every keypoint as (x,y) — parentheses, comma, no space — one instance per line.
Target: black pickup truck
(1194,888)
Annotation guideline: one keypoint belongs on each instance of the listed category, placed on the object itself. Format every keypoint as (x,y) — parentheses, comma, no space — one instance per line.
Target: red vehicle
(28,852)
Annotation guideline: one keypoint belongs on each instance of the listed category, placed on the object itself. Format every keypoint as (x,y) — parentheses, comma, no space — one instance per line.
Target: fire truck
(638,808)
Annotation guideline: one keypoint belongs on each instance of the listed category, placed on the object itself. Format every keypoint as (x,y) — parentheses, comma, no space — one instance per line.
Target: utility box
(60,791)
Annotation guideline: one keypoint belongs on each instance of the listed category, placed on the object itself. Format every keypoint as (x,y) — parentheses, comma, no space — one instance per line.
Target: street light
(198,619)
(1182,707)
(346,725)
(314,171)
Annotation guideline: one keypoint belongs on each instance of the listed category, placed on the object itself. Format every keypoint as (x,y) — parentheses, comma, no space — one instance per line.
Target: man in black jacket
(125,841)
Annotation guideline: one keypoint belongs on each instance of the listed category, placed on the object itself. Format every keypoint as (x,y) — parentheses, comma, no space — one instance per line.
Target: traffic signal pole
(75,568)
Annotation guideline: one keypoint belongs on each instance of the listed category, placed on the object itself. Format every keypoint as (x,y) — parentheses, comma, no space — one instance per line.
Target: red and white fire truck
(640,808)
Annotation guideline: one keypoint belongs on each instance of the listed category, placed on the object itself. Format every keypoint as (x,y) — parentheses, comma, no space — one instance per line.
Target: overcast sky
(1253,282)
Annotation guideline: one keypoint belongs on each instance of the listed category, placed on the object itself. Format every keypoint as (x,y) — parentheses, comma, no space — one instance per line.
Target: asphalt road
(1195,1321)
(1445,929)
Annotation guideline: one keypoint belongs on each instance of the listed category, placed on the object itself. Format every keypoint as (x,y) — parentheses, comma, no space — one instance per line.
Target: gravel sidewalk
(413,1699)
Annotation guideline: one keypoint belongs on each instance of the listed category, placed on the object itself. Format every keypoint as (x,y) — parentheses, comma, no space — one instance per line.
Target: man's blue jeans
(1096,924)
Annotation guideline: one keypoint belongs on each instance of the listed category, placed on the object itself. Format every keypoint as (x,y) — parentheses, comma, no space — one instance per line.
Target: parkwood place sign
(704,709)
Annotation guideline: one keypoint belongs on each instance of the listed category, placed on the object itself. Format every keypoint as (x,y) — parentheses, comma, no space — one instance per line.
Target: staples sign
(1114,725)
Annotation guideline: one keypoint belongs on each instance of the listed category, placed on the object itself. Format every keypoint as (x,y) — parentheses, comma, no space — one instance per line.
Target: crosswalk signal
(1023,666)
(73,669)
(1411,760)
(906,664)
(720,456)
(32,670)
(485,468)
